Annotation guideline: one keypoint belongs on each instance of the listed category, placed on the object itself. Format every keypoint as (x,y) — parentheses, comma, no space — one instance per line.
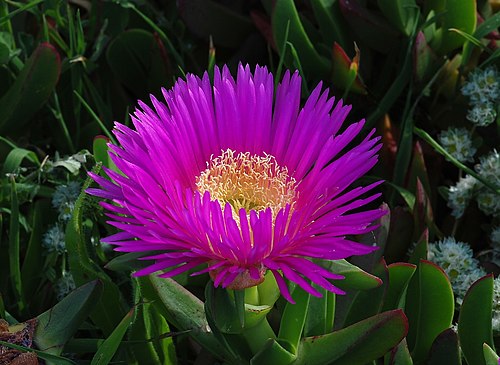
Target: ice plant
(232,177)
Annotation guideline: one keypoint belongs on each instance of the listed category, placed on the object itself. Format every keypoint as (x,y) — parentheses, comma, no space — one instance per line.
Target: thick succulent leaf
(31,89)
(421,248)
(33,259)
(320,314)
(401,13)
(274,352)
(345,71)
(354,277)
(425,61)
(151,325)
(331,22)
(100,151)
(429,307)
(457,14)
(182,309)
(294,317)
(474,321)
(400,234)
(225,310)
(111,307)
(400,274)
(285,16)
(358,309)
(445,349)
(490,356)
(57,325)
(108,348)
(399,355)
(360,343)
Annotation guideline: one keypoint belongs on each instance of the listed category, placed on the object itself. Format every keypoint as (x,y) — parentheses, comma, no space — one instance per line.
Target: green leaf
(358,309)
(15,158)
(57,325)
(490,357)
(225,312)
(274,353)
(459,14)
(401,13)
(34,258)
(127,262)
(182,309)
(421,249)
(100,149)
(331,22)
(429,306)
(320,314)
(400,274)
(399,355)
(31,89)
(14,247)
(111,307)
(360,343)
(474,320)
(345,71)
(489,25)
(285,15)
(294,317)
(150,330)
(445,349)
(108,348)
(354,277)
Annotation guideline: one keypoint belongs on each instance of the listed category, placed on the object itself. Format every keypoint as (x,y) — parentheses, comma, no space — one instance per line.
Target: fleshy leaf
(429,306)
(490,357)
(31,89)
(400,274)
(345,71)
(273,353)
(358,309)
(474,321)
(285,16)
(108,348)
(458,14)
(182,309)
(399,355)
(57,325)
(354,277)
(360,343)
(401,13)
(445,349)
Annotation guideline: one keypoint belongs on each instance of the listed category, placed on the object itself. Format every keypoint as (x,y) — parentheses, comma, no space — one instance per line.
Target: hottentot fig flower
(244,181)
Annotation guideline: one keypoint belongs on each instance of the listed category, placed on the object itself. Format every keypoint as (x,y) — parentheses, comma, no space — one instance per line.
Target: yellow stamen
(247,181)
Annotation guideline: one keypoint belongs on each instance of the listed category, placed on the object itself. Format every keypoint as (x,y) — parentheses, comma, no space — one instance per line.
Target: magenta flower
(232,177)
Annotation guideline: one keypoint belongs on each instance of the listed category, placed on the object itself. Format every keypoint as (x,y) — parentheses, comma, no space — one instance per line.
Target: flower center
(247,181)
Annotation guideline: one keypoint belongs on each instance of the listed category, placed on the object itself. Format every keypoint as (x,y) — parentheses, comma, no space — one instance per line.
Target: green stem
(258,335)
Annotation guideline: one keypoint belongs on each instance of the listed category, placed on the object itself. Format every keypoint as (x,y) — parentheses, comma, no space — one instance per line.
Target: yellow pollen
(247,181)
